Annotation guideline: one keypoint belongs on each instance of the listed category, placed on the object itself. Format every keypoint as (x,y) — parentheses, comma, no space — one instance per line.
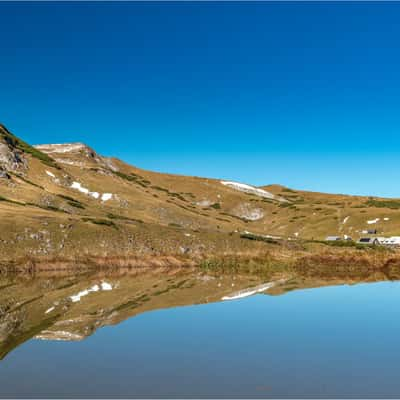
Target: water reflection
(232,341)
(58,306)
(73,307)
(337,341)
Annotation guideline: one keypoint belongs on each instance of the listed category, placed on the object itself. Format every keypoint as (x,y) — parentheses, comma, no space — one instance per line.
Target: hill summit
(67,200)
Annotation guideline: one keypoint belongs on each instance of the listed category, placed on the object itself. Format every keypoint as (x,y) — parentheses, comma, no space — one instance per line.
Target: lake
(332,341)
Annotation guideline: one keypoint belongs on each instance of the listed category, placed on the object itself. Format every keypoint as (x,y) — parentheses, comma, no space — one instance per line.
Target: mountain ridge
(67,200)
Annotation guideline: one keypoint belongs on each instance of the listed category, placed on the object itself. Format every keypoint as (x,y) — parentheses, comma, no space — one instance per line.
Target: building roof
(392,240)
(368,240)
(333,238)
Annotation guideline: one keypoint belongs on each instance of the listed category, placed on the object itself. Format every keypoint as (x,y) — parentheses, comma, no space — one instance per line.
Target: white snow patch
(106,286)
(49,310)
(296,234)
(106,196)
(77,297)
(58,335)
(96,195)
(346,219)
(95,288)
(204,203)
(250,291)
(386,219)
(78,186)
(248,189)
(50,174)
(373,221)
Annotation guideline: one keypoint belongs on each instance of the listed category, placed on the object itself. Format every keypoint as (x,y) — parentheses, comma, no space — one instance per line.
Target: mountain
(65,200)
(72,307)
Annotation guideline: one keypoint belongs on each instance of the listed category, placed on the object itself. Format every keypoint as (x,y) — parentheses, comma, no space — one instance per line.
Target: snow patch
(250,291)
(50,174)
(346,219)
(204,203)
(58,335)
(77,297)
(49,310)
(248,189)
(106,196)
(106,286)
(96,195)
(386,219)
(373,221)
(78,186)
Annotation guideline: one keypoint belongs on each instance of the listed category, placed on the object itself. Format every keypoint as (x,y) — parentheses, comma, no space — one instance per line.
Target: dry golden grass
(80,264)
(159,214)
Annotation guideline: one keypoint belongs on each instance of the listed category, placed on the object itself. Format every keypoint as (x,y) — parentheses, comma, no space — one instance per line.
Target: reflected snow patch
(251,291)
(105,286)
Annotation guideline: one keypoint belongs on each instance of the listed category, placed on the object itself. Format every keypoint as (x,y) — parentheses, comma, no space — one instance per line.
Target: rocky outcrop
(78,154)
(11,158)
(249,213)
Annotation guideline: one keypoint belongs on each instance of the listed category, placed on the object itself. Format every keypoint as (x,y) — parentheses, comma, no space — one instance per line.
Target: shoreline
(314,261)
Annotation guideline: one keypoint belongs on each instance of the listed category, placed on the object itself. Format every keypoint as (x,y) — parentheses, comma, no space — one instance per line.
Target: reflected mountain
(53,307)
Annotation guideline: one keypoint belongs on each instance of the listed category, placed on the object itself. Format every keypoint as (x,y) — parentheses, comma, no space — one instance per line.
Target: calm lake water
(341,341)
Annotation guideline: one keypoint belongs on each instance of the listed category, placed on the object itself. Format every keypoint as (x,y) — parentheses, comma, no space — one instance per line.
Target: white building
(392,241)
(368,240)
(332,238)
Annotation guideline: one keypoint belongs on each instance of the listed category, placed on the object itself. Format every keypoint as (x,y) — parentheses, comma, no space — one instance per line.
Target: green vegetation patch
(11,201)
(99,221)
(13,141)
(27,180)
(236,217)
(172,194)
(286,205)
(264,266)
(136,302)
(71,201)
(47,207)
(174,225)
(132,177)
(393,204)
(344,243)
(76,204)
(123,218)
(259,238)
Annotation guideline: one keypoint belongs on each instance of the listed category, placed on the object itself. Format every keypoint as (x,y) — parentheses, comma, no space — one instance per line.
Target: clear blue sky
(302,94)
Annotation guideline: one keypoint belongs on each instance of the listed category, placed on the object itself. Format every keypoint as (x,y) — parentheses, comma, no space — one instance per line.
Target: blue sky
(302,94)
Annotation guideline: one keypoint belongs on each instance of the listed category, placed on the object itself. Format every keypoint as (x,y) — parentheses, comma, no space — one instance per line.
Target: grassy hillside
(68,201)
